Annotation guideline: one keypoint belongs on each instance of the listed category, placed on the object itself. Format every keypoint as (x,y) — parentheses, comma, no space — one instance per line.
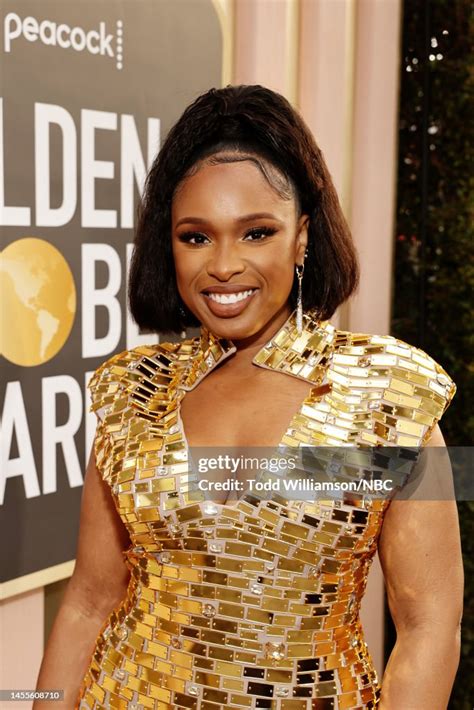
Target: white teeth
(230,297)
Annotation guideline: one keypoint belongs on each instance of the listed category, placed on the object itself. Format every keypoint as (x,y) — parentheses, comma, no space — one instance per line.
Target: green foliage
(434,266)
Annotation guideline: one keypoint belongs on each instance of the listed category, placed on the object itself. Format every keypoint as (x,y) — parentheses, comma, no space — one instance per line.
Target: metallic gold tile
(277,607)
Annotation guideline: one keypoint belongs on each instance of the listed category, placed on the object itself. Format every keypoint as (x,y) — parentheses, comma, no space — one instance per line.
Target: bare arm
(98,584)
(420,554)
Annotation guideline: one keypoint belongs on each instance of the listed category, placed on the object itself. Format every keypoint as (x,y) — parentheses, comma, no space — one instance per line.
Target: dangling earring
(299,303)
(182,313)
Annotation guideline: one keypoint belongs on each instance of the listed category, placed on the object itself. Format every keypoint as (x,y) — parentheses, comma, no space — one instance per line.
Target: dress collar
(304,356)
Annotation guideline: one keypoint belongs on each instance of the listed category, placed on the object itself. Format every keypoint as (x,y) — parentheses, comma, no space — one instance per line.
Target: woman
(236,599)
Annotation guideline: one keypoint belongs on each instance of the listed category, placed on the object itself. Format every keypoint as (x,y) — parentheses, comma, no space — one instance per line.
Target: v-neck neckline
(306,356)
(316,391)
(273,451)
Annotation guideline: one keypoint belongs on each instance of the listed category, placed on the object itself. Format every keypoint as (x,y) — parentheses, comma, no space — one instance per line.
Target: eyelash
(267,231)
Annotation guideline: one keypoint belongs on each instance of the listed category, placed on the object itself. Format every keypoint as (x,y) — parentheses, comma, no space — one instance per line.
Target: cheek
(281,273)
(184,264)
(278,263)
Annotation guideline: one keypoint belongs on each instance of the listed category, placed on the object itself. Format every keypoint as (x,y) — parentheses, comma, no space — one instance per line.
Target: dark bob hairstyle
(242,119)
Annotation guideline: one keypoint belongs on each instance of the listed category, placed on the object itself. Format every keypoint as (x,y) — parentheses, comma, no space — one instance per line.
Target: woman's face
(235,244)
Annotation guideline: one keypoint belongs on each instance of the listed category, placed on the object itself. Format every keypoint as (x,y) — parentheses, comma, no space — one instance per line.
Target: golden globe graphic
(38,297)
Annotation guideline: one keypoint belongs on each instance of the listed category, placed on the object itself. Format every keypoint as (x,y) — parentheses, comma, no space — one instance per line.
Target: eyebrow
(239,220)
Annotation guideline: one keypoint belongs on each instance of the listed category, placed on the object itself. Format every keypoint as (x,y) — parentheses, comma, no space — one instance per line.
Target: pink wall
(21,643)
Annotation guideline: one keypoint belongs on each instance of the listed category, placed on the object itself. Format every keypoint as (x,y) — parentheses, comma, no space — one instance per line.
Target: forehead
(237,185)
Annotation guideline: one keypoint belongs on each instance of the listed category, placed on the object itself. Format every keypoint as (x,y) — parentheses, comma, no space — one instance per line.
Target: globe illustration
(38,297)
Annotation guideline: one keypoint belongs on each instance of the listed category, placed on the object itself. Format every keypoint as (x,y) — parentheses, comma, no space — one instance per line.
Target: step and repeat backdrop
(88,91)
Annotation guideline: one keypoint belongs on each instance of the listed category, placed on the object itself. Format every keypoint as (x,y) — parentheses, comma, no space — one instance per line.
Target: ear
(301,238)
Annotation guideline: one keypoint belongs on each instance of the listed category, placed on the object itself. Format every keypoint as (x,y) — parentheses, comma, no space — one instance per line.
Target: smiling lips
(229,297)
(229,300)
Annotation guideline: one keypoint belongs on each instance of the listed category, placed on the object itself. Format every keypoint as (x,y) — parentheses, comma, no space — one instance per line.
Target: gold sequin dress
(253,604)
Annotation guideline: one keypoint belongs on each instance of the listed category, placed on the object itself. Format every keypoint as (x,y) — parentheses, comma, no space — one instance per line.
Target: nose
(225,261)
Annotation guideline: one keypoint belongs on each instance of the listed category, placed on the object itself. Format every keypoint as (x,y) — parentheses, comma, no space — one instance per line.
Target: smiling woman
(239,177)
(250,597)
(241,262)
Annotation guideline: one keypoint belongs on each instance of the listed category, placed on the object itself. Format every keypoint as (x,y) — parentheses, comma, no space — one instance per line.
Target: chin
(235,327)
(231,329)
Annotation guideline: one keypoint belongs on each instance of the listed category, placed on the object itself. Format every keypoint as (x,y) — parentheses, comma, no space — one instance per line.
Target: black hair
(251,122)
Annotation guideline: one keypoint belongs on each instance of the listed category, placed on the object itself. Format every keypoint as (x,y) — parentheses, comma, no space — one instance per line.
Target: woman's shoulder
(411,380)
(391,352)
(124,370)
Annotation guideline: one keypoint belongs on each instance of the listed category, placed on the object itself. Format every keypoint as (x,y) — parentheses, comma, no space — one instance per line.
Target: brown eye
(265,231)
(188,237)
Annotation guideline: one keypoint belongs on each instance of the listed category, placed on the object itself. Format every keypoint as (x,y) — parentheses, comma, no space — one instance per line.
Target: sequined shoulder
(116,374)
(419,388)
(405,390)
